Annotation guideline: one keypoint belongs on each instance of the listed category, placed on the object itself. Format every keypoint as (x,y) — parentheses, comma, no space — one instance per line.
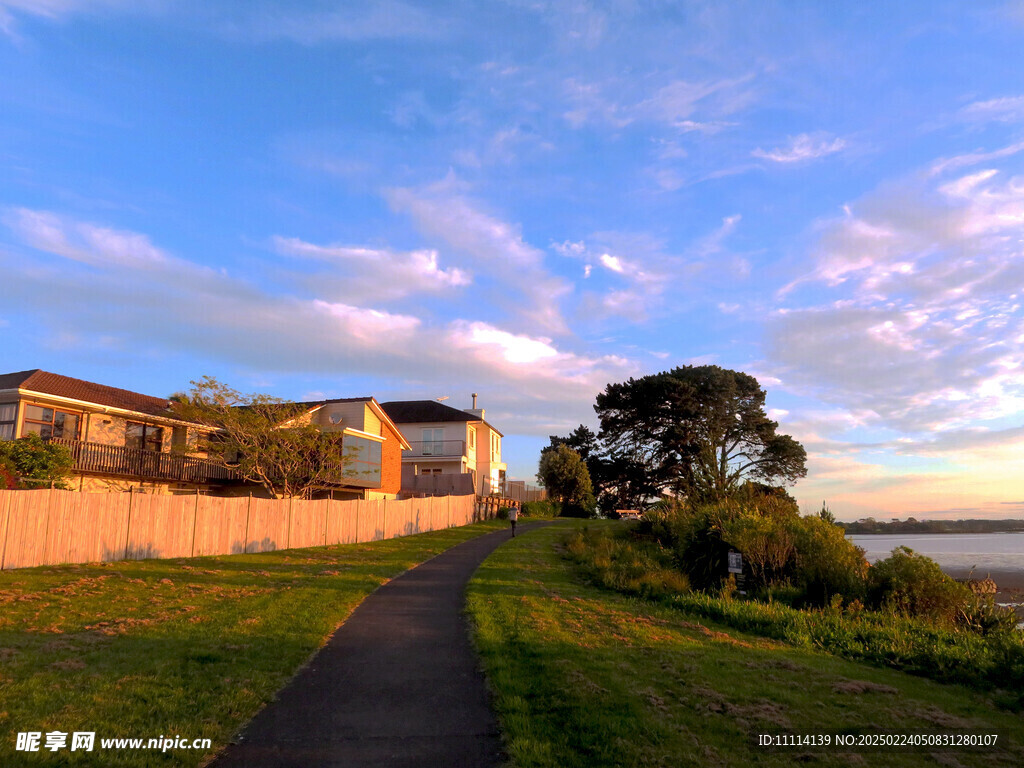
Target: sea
(998,554)
(982,552)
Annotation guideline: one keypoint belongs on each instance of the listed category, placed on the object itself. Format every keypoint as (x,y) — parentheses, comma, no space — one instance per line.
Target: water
(998,553)
(982,551)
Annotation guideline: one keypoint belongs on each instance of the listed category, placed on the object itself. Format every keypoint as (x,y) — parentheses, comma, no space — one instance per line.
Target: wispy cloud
(370,274)
(802,148)
(924,328)
(444,212)
(167,303)
(377,20)
(1007,109)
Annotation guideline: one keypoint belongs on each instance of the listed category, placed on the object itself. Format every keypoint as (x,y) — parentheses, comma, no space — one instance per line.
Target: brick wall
(391,461)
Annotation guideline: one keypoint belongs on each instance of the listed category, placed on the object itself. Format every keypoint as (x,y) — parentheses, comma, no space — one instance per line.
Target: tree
(699,431)
(267,440)
(35,462)
(565,475)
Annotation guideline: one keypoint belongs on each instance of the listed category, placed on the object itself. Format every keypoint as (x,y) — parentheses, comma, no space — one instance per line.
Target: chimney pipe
(474,401)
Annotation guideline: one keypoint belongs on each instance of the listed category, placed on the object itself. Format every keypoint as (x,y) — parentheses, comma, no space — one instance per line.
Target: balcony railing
(136,462)
(438,449)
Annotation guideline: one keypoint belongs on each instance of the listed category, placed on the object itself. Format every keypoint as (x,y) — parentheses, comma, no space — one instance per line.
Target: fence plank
(60,511)
(268,525)
(341,522)
(220,525)
(307,523)
(105,517)
(26,528)
(161,526)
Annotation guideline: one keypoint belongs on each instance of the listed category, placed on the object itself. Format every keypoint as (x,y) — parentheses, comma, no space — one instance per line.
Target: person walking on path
(513,515)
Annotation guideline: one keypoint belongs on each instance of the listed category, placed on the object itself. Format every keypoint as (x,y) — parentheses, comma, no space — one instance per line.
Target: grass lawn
(185,647)
(585,677)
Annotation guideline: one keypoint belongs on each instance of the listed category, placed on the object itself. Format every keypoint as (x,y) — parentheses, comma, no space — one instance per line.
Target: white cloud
(614,263)
(497,248)
(376,20)
(1008,109)
(166,305)
(925,328)
(375,273)
(802,148)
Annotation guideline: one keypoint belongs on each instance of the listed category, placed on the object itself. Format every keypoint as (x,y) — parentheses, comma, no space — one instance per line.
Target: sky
(529,199)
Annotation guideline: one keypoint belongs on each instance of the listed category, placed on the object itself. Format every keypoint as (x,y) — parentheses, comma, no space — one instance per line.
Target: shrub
(545,508)
(632,567)
(914,585)
(827,563)
(8,477)
(33,458)
(502,513)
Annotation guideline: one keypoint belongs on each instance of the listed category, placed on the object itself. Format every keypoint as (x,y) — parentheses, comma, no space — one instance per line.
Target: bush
(502,513)
(914,585)
(32,458)
(545,508)
(8,477)
(827,563)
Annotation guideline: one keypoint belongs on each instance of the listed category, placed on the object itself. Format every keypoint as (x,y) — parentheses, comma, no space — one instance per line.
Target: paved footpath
(398,684)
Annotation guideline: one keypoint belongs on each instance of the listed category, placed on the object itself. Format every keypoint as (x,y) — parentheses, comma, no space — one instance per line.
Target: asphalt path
(397,685)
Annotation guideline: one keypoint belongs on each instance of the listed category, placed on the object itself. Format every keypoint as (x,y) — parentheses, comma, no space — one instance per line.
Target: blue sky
(529,200)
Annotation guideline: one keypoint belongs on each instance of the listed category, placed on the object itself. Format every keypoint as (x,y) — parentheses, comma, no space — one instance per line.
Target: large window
(362,461)
(144,436)
(8,415)
(49,422)
(433,442)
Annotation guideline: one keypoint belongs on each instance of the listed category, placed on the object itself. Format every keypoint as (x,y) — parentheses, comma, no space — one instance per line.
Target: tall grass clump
(636,563)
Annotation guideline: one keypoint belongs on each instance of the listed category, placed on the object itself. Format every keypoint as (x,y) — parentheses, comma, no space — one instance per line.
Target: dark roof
(76,389)
(412,411)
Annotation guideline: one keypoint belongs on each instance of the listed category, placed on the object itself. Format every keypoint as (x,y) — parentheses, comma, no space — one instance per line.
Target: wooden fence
(47,527)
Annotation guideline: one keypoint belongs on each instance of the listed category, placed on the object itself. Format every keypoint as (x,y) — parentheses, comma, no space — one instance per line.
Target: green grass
(585,677)
(189,647)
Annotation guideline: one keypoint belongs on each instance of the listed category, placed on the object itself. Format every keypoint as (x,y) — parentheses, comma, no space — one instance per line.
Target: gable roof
(415,411)
(45,383)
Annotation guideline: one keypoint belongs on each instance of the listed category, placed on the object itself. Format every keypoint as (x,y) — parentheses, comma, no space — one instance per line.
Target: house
(373,441)
(121,439)
(457,449)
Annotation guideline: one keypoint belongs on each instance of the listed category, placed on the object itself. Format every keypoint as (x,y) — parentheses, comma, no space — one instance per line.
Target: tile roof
(46,383)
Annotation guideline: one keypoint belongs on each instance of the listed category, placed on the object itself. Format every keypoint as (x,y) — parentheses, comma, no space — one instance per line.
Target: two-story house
(445,442)
(121,439)
(117,438)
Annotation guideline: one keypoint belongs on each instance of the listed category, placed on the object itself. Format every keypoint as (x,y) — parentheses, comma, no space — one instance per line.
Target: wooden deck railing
(135,462)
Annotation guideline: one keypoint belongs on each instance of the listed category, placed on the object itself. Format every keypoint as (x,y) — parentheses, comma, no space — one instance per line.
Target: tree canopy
(564,473)
(695,431)
(269,441)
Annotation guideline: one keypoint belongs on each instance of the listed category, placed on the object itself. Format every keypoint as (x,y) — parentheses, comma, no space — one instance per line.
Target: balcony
(96,458)
(436,449)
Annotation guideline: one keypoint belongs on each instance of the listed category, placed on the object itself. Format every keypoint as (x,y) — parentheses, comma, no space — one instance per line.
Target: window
(179,438)
(362,461)
(49,422)
(8,415)
(495,447)
(144,436)
(433,442)
(472,438)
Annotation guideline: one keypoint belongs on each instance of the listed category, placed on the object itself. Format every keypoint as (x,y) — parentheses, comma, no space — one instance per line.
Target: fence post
(245,538)
(288,533)
(356,537)
(195,520)
(7,528)
(384,525)
(327,515)
(128,528)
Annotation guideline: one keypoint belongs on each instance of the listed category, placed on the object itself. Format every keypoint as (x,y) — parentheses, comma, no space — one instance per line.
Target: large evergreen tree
(699,431)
